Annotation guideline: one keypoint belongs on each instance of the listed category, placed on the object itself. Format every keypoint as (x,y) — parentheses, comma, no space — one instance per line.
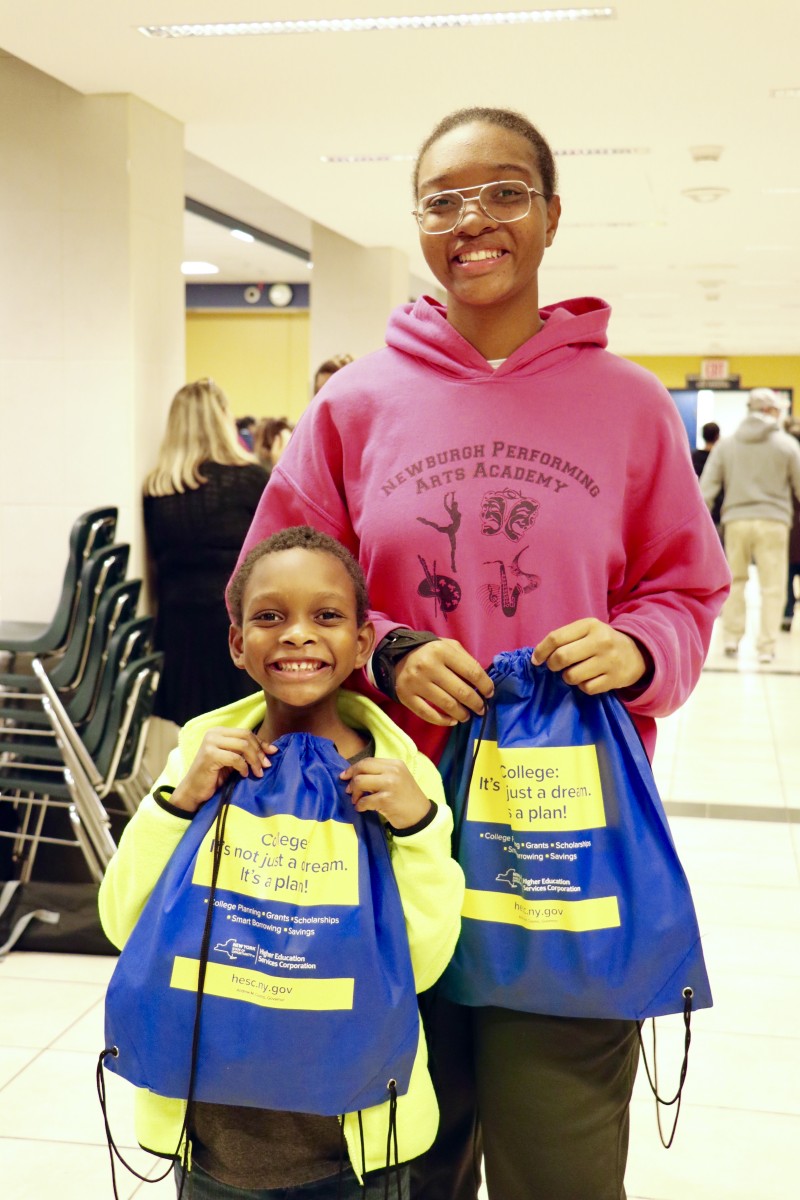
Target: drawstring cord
(391,1143)
(688,994)
(183,1155)
(462,811)
(363,1157)
(392,1151)
(113,1149)
(342,1147)
(219,843)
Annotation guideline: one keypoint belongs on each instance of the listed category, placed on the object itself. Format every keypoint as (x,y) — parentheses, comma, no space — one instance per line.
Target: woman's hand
(221,751)
(592,656)
(386,786)
(441,683)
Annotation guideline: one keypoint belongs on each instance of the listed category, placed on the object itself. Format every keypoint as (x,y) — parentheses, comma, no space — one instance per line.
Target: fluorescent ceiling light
(199,268)
(377,24)
(241,236)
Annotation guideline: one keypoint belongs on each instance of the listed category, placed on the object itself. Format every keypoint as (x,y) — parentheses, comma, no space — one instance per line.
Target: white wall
(91,317)
(353,290)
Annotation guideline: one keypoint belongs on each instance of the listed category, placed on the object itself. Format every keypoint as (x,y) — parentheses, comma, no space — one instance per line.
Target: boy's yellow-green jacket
(431,888)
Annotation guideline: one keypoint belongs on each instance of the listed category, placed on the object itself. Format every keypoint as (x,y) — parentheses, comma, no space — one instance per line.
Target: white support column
(353,290)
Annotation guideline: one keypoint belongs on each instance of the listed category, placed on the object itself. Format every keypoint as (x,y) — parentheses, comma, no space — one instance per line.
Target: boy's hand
(592,656)
(386,786)
(221,751)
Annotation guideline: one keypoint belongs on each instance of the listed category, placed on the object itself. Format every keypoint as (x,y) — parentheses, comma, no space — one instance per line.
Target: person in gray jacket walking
(758,467)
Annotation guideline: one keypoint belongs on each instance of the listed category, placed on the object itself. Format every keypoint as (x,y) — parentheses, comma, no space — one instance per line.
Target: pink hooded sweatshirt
(495,505)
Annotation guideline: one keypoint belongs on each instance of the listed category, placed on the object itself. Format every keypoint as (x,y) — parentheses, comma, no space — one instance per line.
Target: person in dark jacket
(710,432)
(198,504)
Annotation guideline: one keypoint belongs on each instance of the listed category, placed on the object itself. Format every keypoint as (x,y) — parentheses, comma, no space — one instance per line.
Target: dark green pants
(545,1098)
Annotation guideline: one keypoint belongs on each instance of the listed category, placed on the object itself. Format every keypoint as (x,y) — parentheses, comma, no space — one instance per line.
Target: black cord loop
(688,995)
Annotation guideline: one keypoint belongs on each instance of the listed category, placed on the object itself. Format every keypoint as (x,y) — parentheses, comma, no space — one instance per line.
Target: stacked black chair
(100,571)
(74,715)
(83,769)
(30,739)
(90,532)
(21,695)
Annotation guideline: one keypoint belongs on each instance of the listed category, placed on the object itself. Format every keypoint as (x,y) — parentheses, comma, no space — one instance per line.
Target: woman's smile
(479,261)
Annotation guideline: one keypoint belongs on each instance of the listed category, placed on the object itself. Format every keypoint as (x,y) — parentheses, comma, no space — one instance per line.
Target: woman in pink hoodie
(505,481)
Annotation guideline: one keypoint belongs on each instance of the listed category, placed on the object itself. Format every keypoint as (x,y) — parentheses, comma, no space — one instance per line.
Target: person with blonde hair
(198,503)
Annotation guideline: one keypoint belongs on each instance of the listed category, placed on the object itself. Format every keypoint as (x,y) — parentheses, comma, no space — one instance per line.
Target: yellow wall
(259,359)
(778,371)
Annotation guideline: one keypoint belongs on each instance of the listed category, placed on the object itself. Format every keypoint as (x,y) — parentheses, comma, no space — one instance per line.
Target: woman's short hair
(266,433)
(330,367)
(200,429)
(504,118)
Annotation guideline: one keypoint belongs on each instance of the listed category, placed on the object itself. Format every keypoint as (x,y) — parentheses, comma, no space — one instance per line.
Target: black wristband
(161,796)
(396,645)
(420,825)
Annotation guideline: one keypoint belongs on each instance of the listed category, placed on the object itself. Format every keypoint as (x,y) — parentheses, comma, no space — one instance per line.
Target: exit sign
(714,368)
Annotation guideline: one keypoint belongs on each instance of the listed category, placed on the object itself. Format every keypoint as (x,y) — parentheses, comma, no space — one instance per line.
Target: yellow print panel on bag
(575,916)
(283,858)
(268,991)
(555,787)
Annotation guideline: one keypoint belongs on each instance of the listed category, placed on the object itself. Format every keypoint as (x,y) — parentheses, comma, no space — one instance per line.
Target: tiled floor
(729,766)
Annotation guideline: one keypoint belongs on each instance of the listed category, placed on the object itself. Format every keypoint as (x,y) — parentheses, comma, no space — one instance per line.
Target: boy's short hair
(302,537)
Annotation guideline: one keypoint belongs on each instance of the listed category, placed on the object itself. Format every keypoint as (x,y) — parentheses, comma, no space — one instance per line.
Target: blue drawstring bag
(576,902)
(270,967)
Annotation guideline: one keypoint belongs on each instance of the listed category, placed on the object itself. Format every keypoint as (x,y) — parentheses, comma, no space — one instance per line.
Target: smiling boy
(298,606)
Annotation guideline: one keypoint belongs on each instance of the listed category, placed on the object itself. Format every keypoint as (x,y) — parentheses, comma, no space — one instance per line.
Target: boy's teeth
(298,666)
(479,255)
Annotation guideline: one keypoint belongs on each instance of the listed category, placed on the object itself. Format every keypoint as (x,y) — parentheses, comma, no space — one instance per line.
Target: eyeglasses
(504,201)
